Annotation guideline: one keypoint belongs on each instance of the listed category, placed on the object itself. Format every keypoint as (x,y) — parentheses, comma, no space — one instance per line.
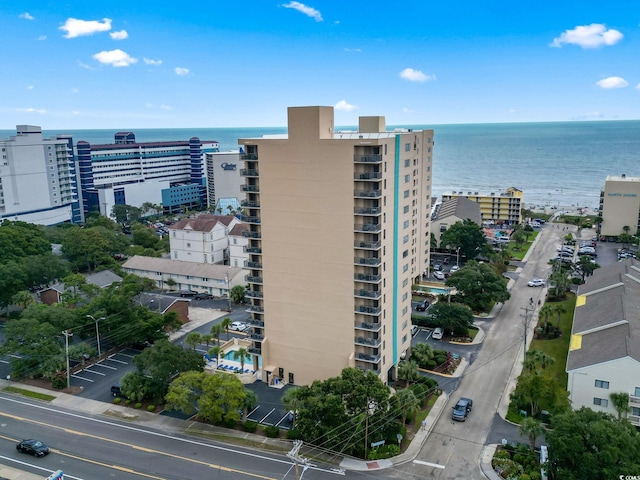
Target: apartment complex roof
(460,207)
(177,267)
(202,223)
(606,324)
(238,229)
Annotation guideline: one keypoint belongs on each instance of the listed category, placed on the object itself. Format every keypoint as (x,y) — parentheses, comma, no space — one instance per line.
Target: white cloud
(415,75)
(589,116)
(612,82)
(181,72)
(78,28)
(343,106)
(353,50)
(406,110)
(42,37)
(115,58)
(26,16)
(75,90)
(121,35)
(85,66)
(307,10)
(588,36)
(30,110)
(149,61)
(30,87)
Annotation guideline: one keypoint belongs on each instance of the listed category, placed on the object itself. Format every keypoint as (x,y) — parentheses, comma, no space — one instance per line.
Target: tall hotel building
(38,178)
(338,232)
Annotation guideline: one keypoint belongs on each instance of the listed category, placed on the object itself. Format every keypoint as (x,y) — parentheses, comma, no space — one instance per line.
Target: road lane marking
(429,464)
(161,435)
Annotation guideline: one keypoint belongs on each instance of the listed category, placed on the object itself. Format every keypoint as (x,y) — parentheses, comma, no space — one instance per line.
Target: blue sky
(107,64)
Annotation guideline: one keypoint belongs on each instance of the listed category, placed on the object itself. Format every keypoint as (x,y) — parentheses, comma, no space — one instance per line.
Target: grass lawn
(29,393)
(522,249)
(558,348)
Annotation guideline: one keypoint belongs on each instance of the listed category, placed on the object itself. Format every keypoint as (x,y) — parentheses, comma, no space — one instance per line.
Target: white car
(454,269)
(238,326)
(536,282)
(438,275)
(437,334)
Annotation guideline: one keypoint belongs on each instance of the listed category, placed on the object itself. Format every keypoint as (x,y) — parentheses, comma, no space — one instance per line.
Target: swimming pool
(436,290)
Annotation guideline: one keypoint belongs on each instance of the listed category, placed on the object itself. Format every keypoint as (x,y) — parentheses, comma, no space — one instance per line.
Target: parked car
(437,334)
(462,409)
(33,447)
(203,296)
(454,269)
(439,275)
(116,391)
(437,267)
(238,326)
(414,329)
(188,293)
(536,282)
(423,306)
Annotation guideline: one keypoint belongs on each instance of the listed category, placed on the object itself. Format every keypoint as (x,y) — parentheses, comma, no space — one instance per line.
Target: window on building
(406,194)
(405,254)
(407,147)
(405,224)
(407,162)
(405,239)
(637,394)
(188,245)
(405,268)
(175,254)
(158,274)
(602,384)
(407,178)
(405,295)
(603,402)
(405,282)
(405,209)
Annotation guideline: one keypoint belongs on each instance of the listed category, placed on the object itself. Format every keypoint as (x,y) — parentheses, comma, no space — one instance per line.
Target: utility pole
(66,342)
(295,456)
(97,332)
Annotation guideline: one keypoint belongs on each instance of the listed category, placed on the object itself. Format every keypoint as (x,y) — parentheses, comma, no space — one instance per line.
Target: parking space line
(282,419)
(95,373)
(263,418)
(118,361)
(100,364)
(82,378)
(4,361)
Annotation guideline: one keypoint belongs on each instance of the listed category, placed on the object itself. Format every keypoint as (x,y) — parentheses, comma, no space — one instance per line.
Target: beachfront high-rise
(620,206)
(338,232)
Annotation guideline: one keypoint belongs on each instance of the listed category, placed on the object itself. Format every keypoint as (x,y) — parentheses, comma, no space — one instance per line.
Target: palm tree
(408,371)
(408,403)
(532,428)
(226,323)
(248,402)
(422,353)
(193,339)
(22,299)
(206,339)
(620,401)
(559,309)
(216,331)
(215,351)
(292,401)
(242,354)
(535,359)
(545,312)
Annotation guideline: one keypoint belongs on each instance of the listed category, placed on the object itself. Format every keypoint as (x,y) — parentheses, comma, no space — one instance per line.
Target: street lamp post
(458,257)
(97,331)
(66,343)
(226,275)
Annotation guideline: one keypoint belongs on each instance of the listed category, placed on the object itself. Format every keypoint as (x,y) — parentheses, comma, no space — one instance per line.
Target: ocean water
(556,163)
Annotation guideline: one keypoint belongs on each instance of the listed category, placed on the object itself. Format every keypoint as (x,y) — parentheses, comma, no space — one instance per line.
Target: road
(88,447)
(453,448)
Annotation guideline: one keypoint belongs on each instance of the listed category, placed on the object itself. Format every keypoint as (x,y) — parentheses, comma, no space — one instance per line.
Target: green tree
(226,323)
(452,317)
(146,237)
(242,355)
(237,294)
(193,339)
(536,360)
(216,331)
(408,371)
(216,398)
(422,353)
(620,401)
(467,236)
(126,213)
(249,403)
(171,283)
(207,339)
(532,428)
(589,445)
(478,285)
(559,309)
(518,237)
(215,351)
(22,299)
(407,403)
(20,239)
(292,401)
(587,267)
(536,392)
(545,312)
(162,362)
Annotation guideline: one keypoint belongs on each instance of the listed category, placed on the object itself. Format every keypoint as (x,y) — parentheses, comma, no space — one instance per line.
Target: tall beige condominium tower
(339,231)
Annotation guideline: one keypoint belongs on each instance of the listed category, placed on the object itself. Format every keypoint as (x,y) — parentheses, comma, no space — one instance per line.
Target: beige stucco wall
(621,204)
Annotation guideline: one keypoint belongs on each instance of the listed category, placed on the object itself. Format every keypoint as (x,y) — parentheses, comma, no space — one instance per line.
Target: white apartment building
(38,178)
(204,239)
(620,205)
(604,354)
(224,181)
(239,245)
(339,228)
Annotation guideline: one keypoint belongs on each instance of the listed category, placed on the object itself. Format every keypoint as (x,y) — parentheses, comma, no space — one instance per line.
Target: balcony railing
(257,250)
(248,172)
(252,234)
(367,175)
(253,294)
(367,158)
(634,401)
(249,156)
(361,277)
(367,369)
(368,342)
(249,204)
(634,419)
(367,245)
(361,292)
(254,279)
(374,261)
(254,350)
(367,310)
(256,322)
(368,326)
(367,193)
(367,227)
(256,265)
(365,357)
(255,309)
(367,211)
(249,188)
(255,220)
(256,337)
